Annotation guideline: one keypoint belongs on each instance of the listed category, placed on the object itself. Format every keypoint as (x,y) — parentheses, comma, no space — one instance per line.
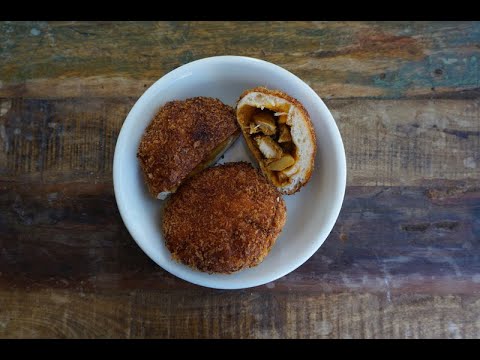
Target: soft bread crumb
(163,195)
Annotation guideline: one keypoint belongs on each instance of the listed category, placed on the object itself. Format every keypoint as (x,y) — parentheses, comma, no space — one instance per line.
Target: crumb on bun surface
(184,136)
(224,219)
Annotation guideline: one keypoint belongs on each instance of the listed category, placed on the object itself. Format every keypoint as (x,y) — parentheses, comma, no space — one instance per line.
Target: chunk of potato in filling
(265,123)
(281,164)
(268,147)
(274,140)
(285,135)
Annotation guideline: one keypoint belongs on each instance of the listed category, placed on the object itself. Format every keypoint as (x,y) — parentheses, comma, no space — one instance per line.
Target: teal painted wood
(339,60)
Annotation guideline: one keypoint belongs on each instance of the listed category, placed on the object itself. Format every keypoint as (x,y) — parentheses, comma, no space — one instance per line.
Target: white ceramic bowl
(311,213)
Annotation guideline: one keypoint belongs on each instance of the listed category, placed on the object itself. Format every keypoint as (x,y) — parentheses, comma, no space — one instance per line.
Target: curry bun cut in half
(184,137)
(278,131)
(224,219)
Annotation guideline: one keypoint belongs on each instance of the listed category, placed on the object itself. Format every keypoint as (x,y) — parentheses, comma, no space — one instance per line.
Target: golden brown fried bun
(279,133)
(224,219)
(183,138)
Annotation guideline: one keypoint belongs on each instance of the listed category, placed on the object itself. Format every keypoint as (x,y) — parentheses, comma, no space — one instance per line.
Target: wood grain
(403,259)
(338,59)
(201,313)
(387,240)
(388,142)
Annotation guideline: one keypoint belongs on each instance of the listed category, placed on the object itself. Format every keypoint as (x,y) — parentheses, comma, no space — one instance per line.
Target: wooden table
(402,261)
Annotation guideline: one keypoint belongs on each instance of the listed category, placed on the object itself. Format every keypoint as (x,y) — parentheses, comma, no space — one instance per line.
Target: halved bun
(184,137)
(253,109)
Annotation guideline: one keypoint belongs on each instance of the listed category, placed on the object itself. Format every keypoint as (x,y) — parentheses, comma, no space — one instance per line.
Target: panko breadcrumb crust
(181,136)
(224,219)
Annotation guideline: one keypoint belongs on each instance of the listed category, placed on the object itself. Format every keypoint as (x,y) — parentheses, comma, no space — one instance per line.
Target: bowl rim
(341,166)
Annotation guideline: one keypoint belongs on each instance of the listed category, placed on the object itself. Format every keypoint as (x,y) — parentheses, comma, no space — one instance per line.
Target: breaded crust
(224,219)
(242,116)
(181,136)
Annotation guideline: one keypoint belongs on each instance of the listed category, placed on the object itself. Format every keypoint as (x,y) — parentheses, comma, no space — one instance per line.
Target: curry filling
(271,134)
(215,154)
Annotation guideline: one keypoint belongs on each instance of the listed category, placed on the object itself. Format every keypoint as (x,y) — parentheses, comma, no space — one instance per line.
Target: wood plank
(61,139)
(402,261)
(387,142)
(411,142)
(389,240)
(202,313)
(338,59)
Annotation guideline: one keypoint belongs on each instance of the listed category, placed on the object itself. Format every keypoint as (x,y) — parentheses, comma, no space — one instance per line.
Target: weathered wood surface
(337,59)
(402,261)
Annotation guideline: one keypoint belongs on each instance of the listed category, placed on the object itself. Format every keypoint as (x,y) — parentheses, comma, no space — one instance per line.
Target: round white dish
(311,213)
